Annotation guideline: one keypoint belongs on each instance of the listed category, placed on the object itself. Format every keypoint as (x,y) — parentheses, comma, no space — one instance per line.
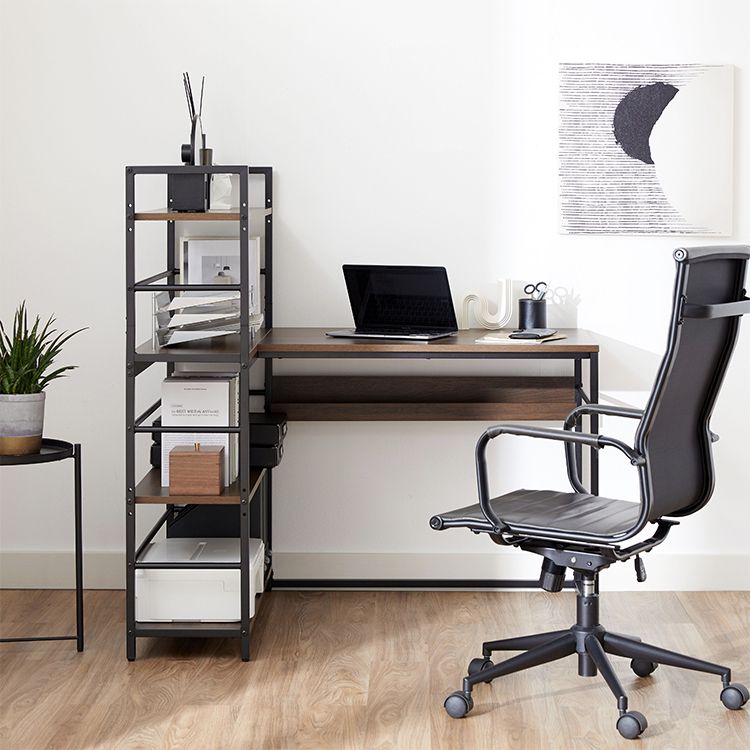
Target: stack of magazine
(184,319)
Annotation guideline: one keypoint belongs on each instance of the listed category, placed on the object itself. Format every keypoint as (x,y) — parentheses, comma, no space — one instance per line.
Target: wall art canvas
(646,149)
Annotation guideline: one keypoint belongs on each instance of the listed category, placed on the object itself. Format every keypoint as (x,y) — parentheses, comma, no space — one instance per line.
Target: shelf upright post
(267,172)
(171,267)
(266,497)
(130,412)
(171,279)
(264,518)
(244,418)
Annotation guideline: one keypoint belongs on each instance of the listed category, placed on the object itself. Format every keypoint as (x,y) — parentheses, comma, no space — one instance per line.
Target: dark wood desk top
(368,398)
(313,342)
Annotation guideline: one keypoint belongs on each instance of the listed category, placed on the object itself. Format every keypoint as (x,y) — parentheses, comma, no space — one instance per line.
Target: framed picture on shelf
(216,260)
(184,319)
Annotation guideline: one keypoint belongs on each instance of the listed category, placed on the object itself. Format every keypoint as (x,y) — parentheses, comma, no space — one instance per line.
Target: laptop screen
(400,297)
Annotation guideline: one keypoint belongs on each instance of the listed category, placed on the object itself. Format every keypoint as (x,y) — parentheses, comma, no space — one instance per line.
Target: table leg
(79,548)
(594,420)
(578,385)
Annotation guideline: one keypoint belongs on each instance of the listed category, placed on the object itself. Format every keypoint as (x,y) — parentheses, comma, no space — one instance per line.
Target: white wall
(415,132)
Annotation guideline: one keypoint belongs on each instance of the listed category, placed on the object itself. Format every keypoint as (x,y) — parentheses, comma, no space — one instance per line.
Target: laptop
(399,302)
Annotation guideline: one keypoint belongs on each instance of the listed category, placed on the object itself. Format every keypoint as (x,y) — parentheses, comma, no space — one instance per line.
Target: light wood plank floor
(363,670)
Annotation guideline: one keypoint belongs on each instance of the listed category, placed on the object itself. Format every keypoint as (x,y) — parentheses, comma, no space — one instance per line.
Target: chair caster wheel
(734,696)
(479,665)
(642,667)
(458,704)
(631,725)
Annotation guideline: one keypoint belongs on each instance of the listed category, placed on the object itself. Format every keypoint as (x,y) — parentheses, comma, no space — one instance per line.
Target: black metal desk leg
(594,424)
(578,386)
(79,548)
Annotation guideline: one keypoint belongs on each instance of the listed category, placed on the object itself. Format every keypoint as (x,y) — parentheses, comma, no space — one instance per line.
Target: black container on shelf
(267,433)
(266,456)
(187,192)
(267,429)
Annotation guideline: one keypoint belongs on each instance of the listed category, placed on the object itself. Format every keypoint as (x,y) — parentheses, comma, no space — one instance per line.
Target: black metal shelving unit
(252,490)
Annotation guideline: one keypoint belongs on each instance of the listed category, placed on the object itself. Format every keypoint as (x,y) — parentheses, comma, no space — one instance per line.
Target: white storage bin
(195,594)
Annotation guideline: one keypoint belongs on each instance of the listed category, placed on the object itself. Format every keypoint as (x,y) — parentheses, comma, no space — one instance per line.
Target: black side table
(57,450)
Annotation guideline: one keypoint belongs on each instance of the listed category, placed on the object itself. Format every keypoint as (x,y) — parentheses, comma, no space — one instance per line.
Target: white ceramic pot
(21,423)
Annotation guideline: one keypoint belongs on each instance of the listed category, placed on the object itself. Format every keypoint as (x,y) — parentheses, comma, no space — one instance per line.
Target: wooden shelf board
(150,491)
(220,349)
(188,629)
(373,398)
(215,214)
(381,412)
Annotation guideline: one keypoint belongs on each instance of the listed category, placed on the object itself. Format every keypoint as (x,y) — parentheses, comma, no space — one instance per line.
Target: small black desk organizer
(190,191)
(532,313)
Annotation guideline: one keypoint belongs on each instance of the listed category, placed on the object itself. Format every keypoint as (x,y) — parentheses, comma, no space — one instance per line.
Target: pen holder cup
(532,313)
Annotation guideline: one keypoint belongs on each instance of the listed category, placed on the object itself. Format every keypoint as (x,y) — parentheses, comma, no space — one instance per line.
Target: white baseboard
(675,572)
(56,570)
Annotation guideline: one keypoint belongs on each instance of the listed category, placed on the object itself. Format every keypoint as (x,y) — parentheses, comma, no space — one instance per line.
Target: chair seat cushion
(537,510)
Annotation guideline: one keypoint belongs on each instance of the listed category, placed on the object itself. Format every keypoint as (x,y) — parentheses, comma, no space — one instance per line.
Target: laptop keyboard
(419,311)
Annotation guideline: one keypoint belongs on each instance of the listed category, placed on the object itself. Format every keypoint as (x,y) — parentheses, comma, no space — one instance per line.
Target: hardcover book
(200,402)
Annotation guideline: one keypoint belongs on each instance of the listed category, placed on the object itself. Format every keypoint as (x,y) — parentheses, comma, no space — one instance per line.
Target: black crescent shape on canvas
(636,115)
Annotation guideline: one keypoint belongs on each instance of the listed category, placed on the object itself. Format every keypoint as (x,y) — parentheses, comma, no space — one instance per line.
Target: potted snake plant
(27,356)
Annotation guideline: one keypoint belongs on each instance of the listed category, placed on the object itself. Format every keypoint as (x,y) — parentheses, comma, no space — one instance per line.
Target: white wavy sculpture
(482,313)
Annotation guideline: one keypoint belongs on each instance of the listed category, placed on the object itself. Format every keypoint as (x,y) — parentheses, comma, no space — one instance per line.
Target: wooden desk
(366,398)
(437,397)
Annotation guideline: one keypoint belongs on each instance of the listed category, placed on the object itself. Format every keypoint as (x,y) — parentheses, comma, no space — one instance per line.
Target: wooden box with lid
(196,470)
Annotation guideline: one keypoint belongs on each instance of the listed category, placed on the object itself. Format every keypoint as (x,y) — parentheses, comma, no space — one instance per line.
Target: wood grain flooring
(362,670)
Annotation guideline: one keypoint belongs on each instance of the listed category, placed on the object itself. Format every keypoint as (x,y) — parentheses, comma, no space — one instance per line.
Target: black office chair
(584,532)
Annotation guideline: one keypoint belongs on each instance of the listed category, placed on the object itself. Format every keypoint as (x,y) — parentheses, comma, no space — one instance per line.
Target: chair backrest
(674,433)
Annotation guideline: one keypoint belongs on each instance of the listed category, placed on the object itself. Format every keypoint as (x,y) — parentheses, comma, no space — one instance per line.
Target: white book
(199,402)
